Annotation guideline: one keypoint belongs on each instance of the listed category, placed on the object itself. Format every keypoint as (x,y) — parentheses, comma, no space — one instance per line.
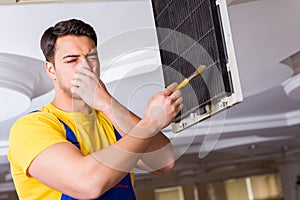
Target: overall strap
(70,136)
(123,190)
(118,135)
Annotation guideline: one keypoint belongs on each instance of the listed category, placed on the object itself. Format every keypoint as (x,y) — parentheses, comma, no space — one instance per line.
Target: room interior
(255,140)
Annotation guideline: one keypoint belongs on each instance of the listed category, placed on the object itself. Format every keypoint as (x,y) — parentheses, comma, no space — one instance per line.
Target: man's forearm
(124,120)
(120,116)
(159,153)
(125,153)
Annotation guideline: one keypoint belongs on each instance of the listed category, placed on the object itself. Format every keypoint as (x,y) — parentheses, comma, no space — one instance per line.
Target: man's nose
(85,63)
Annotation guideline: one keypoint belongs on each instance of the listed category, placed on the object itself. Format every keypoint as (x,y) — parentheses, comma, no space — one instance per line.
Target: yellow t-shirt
(33,133)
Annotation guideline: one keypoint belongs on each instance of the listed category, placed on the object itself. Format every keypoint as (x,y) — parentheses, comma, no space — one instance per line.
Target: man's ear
(51,70)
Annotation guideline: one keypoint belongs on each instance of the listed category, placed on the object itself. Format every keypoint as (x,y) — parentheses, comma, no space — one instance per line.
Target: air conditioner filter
(192,33)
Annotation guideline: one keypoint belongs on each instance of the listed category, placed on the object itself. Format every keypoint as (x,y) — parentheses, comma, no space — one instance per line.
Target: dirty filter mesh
(189,35)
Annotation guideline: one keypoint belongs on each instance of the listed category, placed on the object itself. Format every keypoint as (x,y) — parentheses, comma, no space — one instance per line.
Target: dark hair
(63,28)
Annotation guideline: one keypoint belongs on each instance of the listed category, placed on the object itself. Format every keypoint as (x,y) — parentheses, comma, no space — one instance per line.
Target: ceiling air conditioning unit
(192,33)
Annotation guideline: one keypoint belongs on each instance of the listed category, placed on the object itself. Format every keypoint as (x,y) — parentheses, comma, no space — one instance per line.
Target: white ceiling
(265,32)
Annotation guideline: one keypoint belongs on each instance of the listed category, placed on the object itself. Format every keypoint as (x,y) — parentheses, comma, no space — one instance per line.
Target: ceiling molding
(242,124)
(21,79)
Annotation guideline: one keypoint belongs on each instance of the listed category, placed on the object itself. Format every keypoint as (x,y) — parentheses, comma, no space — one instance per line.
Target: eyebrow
(71,56)
(76,56)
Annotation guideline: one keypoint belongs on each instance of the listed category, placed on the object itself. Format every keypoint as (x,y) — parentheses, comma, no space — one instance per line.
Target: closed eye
(71,61)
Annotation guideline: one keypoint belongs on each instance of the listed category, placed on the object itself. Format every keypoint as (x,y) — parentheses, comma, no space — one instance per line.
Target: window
(261,187)
(171,193)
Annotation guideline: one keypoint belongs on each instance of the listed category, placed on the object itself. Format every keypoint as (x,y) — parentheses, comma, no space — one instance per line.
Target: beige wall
(145,195)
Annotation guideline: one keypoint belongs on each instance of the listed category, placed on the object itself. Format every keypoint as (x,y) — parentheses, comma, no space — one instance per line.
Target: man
(84,143)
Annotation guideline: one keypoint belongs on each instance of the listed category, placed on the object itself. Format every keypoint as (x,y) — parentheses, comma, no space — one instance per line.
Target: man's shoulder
(38,118)
(38,114)
(36,126)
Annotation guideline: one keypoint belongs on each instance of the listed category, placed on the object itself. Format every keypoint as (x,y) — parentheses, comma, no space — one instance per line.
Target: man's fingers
(85,75)
(170,89)
(179,101)
(75,90)
(85,71)
(75,82)
(175,95)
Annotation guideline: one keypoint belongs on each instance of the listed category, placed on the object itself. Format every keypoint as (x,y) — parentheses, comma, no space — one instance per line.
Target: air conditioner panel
(191,33)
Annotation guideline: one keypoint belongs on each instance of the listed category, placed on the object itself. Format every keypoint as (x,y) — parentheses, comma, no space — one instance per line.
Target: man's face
(72,53)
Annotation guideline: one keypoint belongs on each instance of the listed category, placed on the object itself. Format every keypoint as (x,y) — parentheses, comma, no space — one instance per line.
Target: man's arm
(124,120)
(63,167)
(159,157)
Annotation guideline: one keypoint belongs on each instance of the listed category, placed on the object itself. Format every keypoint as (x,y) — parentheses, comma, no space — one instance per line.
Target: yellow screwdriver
(191,77)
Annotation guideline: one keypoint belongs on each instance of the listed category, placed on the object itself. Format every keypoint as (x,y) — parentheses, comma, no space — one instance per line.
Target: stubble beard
(66,90)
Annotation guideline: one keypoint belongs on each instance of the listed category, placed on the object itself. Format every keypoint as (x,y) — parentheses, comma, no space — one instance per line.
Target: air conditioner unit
(191,33)
(8,1)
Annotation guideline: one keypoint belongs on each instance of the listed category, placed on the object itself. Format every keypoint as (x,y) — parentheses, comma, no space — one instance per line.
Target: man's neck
(71,105)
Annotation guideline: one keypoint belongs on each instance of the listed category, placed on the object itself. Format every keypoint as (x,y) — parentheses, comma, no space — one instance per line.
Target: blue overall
(123,190)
